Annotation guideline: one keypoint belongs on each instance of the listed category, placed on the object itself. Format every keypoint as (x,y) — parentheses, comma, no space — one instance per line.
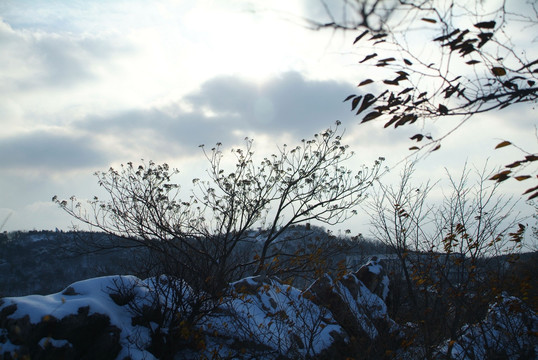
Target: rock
(324,292)
(250,285)
(56,349)
(373,276)
(356,300)
(265,318)
(77,336)
(507,332)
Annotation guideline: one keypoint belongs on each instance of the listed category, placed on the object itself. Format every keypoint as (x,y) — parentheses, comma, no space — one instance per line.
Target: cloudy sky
(85,85)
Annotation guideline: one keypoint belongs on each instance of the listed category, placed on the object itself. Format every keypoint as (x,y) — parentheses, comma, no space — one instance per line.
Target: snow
(364,305)
(385,283)
(37,238)
(95,294)
(374,267)
(56,343)
(271,315)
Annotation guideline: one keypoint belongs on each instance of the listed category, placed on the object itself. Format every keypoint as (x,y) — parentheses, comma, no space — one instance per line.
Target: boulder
(509,331)
(76,336)
(356,300)
(374,277)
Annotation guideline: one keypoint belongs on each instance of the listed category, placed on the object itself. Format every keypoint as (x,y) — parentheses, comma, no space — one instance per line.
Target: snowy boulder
(82,322)
(356,301)
(509,331)
(374,277)
(75,336)
(268,319)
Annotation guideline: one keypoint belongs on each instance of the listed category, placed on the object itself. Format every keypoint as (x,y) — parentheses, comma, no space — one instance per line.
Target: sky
(85,85)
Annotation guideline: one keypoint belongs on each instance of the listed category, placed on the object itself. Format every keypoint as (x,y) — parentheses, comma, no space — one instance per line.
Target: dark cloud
(156,129)
(303,105)
(288,103)
(45,150)
(225,94)
(225,106)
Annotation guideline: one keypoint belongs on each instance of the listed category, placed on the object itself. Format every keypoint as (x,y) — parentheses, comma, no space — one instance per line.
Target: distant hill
(44,262)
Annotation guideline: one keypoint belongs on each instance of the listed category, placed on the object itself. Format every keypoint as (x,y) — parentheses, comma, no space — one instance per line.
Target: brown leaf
(378,36)
(414,148)
(522,177)
(365,82)
(498,71)
(366,103)
(433,21)
(355,102)
(406,90)
(503,144)
(417,137)
(484,38)
(472,62)
(390,82)
(531,157)
(533,196)
(387,59)
(436,148)
(349,98)
(370,116)
(408,118)
(446,37)
(530,190)
(416,103)
(360,36)
(502,176)
(407,62)
(532,63)
(485,25)
(368,57)
(391,121)
(513,165)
